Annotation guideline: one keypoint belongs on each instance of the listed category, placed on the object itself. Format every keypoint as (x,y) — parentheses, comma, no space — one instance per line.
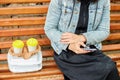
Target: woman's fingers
(75,47)
(67,38)
(81,43)
(65,41)
(81,50)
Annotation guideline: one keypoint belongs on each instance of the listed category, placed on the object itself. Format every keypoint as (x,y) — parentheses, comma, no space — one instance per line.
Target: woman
(76,29)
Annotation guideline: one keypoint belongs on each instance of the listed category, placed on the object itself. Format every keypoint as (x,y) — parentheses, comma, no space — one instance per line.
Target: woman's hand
(74,41)
(75,47)
(68,38)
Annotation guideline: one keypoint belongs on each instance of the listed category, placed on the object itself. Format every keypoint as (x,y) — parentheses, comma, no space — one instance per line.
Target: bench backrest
(23,22)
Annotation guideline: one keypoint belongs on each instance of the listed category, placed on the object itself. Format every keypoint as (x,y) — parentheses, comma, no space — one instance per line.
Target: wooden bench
(23,22)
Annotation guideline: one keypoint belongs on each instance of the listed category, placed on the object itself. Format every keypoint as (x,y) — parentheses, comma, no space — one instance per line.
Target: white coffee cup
(32,48)
(32,44)
(18,46)
(17,50)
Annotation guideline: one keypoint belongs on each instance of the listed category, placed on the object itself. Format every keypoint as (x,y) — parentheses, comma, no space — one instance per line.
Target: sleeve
(103,29)
(52,21)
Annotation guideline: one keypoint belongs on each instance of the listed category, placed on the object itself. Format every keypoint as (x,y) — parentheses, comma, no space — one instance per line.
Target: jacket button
(91,11)
(57,50)
(73,25)
(76,12)
(90,24)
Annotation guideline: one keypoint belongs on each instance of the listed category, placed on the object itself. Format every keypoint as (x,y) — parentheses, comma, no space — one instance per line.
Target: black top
(83,17)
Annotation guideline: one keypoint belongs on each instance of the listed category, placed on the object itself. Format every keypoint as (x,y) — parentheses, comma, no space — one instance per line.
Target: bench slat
(114,1)
(45,41)
(23,21)
(118,70)
(49,77)
(45,53)
(24,10)
(115,56)
(36,9)
(118,62)
(115,26)
(28,1)
(8,44)
(45,71)
(21,32)
(3,57)
(115,7)
(114,36)
(17,32)
(50,63)
(111,47)
(37,20)
(115,17)
(22,1)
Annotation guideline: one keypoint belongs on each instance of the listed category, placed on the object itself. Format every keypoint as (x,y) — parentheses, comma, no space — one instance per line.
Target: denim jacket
(58,19)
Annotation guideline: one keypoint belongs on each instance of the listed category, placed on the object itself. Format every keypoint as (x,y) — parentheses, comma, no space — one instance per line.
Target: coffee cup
(32,44)
(18,46)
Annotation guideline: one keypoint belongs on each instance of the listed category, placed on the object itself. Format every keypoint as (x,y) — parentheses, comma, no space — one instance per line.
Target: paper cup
(18,46)
(31,48)
(32,44)
(17,50)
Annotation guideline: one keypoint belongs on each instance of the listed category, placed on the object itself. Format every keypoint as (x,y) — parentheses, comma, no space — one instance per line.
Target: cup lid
(18,44)
(32,42)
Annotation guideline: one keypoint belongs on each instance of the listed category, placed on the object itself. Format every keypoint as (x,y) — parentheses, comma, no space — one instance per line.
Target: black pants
(92,66)
(112,76)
